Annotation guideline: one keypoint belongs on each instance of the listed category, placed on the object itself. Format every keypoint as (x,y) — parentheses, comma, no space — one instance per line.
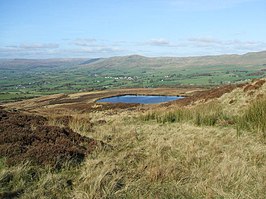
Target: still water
(141,99)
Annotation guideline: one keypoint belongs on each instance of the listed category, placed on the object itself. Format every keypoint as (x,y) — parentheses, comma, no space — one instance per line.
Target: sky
(105,28)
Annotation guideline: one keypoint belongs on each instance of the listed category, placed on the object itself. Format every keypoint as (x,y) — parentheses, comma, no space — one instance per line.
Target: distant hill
(133,61)
(37,63)
(90,61)
(137,61)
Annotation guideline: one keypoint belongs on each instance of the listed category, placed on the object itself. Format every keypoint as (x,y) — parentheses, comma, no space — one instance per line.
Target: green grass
(19,84)
(202,115)
(254,118)
(211,114)
(32,181)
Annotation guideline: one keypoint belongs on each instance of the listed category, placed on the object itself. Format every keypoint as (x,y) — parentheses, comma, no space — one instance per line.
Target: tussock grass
(202,115)
(80,123)
(174,160)
(254,118)
(28,181)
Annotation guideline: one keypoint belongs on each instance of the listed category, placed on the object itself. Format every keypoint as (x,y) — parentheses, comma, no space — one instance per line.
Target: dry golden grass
(185,158)
(27,181)
(238,100)
(174,160)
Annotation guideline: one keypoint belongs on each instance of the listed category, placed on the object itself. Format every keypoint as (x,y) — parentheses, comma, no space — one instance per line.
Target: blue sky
(104,28)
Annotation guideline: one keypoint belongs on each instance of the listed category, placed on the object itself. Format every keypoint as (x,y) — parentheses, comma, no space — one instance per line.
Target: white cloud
(204,40)
(84,42)
(201,46)
(226,44)
(76,48)
(158,42)
(30,46)
(152,47)
(95,46)
(39,46)
(97,50)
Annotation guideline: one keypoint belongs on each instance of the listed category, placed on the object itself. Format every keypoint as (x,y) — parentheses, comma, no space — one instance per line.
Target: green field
(27,81)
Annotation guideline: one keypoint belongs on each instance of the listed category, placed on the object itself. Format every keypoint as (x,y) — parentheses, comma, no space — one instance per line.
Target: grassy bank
(253,118)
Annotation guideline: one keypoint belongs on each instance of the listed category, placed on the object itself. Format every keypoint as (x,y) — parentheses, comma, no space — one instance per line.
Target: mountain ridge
(248,59)
(135,60)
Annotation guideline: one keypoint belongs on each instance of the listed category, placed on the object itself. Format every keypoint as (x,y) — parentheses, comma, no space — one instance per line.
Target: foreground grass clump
(202,115)
(28,181)
(254,118)
(79,123)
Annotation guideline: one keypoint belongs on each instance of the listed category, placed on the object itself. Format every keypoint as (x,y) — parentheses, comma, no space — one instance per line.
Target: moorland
(210,144)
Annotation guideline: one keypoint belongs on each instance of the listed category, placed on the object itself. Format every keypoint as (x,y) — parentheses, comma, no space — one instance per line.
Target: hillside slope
(249,59)
(28,64)
(208,145)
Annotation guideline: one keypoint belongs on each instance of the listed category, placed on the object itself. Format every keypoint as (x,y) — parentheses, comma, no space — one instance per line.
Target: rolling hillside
(208,145)
(30,64)
(249,59)
(22,78)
